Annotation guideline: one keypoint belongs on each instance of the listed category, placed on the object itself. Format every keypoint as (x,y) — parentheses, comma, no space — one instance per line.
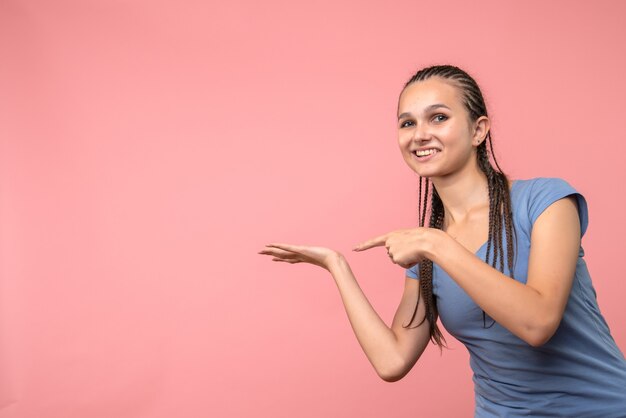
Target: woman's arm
(532,311)
(392,351)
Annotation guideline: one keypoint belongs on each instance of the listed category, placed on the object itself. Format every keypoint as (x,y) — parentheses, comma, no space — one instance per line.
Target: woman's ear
(481,128)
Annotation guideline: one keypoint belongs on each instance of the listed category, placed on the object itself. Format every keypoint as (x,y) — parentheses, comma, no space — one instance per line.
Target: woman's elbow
(537,340)
(393,373)
(390,376)
(540,335)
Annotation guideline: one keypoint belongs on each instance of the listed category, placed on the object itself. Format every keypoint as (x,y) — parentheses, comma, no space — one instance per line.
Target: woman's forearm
(377,340)
(520,308)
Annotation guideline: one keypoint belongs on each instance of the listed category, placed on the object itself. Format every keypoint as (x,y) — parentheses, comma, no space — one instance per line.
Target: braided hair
(500,213)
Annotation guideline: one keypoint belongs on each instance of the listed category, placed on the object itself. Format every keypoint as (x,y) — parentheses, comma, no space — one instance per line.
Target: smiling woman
(499,261)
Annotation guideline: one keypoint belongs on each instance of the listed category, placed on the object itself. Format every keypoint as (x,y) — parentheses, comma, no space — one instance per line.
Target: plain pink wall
(151,148)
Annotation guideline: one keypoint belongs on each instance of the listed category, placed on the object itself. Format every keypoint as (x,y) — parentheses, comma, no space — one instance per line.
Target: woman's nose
(421,133)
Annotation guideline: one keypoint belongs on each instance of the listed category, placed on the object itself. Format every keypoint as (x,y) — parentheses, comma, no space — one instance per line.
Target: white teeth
(426,152)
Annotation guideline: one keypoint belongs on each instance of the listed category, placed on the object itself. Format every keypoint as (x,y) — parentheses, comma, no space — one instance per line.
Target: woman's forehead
(422,94)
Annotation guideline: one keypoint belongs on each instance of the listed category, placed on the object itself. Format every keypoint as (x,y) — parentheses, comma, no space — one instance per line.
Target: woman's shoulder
(534,195)
(541,183)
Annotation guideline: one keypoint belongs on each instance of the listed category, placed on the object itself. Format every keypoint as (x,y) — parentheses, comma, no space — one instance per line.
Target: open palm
(319,256)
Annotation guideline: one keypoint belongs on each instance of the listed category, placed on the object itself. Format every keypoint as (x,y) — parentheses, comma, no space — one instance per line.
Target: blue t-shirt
(579,372)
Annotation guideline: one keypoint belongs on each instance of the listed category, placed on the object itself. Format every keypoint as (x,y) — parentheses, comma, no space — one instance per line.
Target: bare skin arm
(392,351)
(532,311)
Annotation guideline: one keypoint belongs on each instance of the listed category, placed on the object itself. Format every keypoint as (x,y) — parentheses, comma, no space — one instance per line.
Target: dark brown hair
(500,214)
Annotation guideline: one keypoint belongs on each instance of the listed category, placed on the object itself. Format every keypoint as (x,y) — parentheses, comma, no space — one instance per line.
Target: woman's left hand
(405,247)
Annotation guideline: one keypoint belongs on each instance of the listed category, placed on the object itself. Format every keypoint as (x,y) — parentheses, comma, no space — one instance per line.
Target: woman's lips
(425,157)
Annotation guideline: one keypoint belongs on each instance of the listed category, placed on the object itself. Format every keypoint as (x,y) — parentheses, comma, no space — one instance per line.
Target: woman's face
(434,133)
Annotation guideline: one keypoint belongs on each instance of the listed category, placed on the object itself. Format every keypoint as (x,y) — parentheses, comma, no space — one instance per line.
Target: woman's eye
(440,117)
(405,123)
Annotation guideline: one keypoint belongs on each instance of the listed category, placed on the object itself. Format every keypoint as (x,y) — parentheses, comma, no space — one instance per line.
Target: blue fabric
(579,372)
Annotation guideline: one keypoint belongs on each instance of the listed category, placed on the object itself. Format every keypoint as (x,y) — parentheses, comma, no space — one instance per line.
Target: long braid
(483,163)
(497,228)
(426,267)
(423,218)
(500,210)
(506,207)
(436,221)
(421,210)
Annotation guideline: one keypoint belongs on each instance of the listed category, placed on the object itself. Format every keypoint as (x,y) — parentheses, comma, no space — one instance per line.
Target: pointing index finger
(374,242)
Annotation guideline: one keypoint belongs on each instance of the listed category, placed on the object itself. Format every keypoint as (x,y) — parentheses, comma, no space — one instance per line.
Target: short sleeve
(413,272)
(546,191)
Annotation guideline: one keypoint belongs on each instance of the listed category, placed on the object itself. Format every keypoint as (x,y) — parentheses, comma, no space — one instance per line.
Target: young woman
(500,262)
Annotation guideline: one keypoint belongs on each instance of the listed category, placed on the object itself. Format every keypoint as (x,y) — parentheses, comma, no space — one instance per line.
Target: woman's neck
(462,193)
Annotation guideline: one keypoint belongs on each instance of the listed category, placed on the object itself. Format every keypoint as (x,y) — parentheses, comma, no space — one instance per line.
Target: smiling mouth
(425,153)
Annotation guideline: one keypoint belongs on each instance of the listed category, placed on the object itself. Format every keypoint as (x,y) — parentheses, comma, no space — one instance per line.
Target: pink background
(151,148)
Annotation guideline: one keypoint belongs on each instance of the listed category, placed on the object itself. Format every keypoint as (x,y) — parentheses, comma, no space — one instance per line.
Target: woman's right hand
(319,256)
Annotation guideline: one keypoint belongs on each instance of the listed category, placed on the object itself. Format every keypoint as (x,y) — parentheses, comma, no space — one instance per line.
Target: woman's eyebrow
(427,109)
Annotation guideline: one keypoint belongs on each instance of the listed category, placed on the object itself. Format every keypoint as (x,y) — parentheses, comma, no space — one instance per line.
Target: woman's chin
(420,171)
